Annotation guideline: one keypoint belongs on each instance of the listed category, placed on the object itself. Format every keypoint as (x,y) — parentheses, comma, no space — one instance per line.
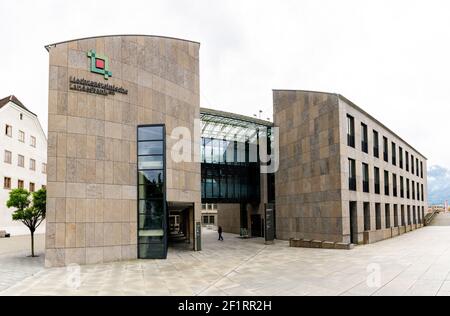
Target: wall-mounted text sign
(88,86)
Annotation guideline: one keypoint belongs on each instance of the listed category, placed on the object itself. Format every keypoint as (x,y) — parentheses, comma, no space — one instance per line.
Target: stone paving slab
(15,265)
(416,263)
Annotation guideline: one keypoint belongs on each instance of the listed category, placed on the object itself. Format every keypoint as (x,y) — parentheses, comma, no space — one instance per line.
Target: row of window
(209,207)
(416,166)
(416,192)
(21,161)
(7,184)
(408,215)
(208,219)
(21,136)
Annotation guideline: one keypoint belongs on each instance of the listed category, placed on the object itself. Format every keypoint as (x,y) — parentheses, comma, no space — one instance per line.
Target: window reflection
(151,133)
(151,148)
(151,177)
(150,207)
(151,162)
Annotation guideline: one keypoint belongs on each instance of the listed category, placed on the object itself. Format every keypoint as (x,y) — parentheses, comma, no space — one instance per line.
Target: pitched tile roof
(14,100)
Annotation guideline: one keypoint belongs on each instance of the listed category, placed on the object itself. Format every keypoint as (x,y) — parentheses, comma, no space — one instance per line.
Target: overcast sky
(392,58)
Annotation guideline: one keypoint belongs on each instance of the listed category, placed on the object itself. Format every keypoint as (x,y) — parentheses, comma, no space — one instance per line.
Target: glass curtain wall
(230,158)
(152,219)
(229,171)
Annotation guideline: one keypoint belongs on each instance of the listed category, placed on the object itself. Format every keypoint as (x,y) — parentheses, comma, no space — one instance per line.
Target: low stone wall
(374,236)
(318,244)
(369,237)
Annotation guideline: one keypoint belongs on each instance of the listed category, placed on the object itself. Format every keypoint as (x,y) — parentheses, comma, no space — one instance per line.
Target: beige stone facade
(92,154)
(312,186)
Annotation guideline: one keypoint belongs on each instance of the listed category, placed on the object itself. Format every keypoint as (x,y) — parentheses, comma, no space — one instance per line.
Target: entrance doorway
(256,226)
(181,226)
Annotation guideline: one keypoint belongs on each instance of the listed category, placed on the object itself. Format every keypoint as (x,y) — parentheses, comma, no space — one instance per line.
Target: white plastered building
(23,158)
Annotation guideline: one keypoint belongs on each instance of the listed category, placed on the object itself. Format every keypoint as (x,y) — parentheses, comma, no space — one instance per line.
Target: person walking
(220,231)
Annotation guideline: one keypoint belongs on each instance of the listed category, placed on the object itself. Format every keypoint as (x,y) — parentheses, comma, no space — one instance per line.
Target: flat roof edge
(47,47)
(341,97)
(305,91)
(378,122)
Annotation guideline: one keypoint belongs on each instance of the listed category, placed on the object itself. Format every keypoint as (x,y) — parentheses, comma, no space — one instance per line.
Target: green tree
(30,214)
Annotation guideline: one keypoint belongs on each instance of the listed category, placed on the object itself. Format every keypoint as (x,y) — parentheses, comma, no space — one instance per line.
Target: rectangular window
(418,191)
(21,136)
(377,180)
(423,194)
(421,169)
(394,185)
(402,188)
(417,167)
(403,215)
(20,184)
(376,144)
(365,172)
(8,130)
(211,220)
(367,216)
(385,149)
(395,215)
(414,215)
(364,138)
(413,187)
(407,160)
(32,187)
(394,154)
(386,182)
(400,156)
(205,220)
(153,217)
(387,213)
(378,215)
(33,164)
(21,161)
(44,168)
(409,215)
(352,175)
(407,189)
(350,131)
(33,141)
(7,183)
(8,157)
(412,164)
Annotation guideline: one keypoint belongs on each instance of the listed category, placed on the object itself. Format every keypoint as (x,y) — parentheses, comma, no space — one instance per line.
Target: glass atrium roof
(229,126)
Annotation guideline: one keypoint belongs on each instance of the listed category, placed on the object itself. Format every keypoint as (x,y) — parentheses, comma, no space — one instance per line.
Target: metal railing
(430,217)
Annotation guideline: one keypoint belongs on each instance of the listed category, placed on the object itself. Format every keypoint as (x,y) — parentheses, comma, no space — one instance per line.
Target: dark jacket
(220,230)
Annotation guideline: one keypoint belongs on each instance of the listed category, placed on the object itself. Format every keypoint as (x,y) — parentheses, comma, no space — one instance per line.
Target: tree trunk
(32,244)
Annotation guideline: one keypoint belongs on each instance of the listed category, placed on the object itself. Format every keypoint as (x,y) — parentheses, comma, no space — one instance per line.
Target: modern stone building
(123,184)
(344,176)
(113,102)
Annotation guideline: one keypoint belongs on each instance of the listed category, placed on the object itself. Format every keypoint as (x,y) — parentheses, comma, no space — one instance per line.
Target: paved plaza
(417,263)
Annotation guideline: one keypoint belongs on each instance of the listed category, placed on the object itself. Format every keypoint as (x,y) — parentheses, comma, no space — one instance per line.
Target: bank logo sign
(99,64)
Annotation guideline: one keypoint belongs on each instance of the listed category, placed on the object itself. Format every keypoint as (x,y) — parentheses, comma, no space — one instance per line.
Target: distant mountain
(438,185)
